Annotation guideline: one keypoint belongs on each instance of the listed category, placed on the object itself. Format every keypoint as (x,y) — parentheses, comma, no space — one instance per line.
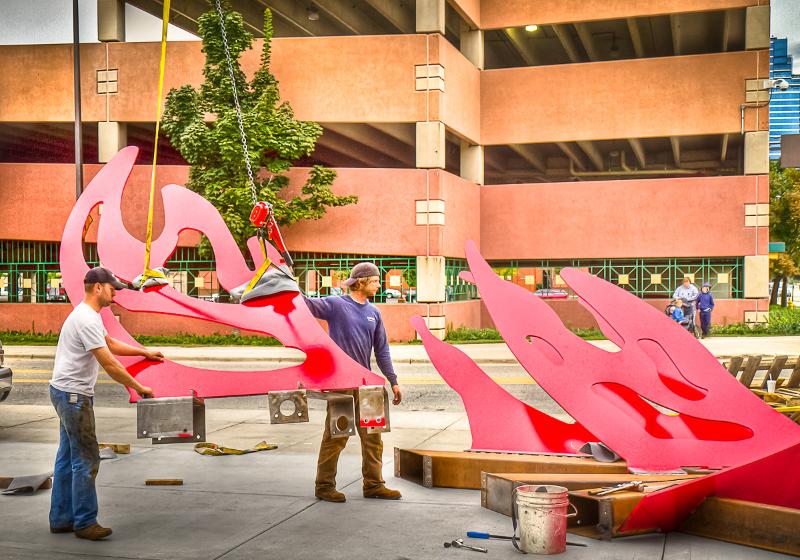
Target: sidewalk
(262,505)
(491,353)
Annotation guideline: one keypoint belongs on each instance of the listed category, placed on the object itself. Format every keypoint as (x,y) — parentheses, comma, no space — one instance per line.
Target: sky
(785,22)
(28,22)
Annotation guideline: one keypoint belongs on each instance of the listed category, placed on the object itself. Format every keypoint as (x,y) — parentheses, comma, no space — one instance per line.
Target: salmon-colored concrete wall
(328,79)
(48,317)
(641,98)
(576,316)
(470,10)
(36,83)
(461,102)
(40,197)
(512,13)
(462,213)
(621,219)
(383,220)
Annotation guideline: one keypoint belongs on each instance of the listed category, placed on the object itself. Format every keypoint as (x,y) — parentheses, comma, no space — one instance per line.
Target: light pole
(76,88)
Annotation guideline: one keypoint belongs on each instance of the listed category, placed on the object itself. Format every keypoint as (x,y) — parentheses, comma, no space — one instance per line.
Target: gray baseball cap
(100,275)
(361,270)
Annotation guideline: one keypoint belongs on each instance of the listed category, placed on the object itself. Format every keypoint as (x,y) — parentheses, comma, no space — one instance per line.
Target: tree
(784,225)
(202,126)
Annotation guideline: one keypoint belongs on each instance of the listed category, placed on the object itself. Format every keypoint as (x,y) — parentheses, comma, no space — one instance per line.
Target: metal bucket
(542,514)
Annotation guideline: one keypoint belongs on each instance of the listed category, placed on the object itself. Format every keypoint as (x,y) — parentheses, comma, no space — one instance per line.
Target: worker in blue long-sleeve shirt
(355,325)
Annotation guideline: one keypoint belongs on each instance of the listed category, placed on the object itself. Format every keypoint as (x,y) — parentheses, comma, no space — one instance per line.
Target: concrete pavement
(488,353)
(262,505)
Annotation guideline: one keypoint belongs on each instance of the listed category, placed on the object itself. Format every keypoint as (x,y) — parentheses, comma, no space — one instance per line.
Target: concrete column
(430,145)
(756,28)
(756,152)
(756,276)
(111,138)
(472,162)
(472,45)
(431,279)
(110,21)
(430,16)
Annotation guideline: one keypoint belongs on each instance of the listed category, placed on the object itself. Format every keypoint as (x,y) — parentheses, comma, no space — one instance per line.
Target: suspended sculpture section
(283,316)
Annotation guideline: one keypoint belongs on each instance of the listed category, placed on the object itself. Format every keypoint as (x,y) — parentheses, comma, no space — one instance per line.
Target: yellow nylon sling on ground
(214,450)
(148,272)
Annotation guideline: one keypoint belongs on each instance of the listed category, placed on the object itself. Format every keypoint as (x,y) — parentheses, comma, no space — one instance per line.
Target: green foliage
(783,321)
(464,335)
(202,126)
(784,225)
(16,338)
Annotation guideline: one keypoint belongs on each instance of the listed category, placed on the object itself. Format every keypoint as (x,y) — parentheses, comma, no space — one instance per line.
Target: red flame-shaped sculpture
(283,316)
(704,417)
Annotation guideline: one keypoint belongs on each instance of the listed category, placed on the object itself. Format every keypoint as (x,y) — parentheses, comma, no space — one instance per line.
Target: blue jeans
(705,321)
(73,501)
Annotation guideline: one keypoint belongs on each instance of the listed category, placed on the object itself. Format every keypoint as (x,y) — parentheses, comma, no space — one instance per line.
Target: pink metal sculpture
(754,481)
(498,420)
(283,316)
(715,420)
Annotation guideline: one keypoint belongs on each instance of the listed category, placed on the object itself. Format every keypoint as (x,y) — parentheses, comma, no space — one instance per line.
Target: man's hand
(398,396)
(145,392)
(153,356)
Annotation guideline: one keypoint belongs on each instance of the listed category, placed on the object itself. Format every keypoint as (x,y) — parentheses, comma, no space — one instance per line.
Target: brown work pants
(331,448)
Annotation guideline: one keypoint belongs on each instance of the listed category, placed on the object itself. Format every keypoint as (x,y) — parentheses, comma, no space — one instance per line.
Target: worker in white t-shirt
(84,346)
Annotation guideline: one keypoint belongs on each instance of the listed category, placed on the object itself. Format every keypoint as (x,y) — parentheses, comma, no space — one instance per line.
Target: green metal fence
(29,272)
(646,278)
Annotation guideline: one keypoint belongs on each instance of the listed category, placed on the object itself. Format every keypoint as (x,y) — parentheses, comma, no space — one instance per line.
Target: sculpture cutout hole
(288,408)
(545,349)
(342,423)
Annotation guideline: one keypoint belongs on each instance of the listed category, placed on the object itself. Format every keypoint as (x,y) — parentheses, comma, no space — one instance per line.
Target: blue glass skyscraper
(784,107)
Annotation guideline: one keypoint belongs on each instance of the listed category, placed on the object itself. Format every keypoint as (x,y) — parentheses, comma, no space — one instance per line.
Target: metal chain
(238,107)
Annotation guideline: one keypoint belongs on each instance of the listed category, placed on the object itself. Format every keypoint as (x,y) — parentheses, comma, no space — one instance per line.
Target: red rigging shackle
(261,214)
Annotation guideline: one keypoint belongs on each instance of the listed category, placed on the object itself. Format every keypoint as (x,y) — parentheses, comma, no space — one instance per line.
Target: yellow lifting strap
(214,450)
(148,272)
(261,269)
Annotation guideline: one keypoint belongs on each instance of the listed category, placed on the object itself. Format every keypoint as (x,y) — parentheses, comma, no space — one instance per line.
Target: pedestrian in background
(705,303)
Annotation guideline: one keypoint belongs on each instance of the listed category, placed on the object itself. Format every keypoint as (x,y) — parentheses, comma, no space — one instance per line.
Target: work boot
(67,529)
(383,493)
(330,495)
(93,532)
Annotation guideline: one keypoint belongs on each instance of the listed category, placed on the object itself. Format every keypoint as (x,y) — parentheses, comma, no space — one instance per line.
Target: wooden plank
(750,369)
(775,369)
(497,488)
(462,469)
(794,378)
(759,525)
(600,517)
(119,448)
(163,482)
(735,365)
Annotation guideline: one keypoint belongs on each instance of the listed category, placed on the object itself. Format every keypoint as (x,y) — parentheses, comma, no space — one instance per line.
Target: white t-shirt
(76,368)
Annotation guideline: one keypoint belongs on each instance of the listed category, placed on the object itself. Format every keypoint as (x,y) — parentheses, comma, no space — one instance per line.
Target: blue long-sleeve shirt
(677,314)
(705,301)
(357,328)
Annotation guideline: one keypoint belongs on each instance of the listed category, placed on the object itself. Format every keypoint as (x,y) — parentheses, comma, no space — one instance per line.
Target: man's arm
(118,372)
(380,344)
(321,308)
(119,348)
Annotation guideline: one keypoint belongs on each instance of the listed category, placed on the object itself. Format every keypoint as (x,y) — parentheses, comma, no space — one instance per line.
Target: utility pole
(76,88)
